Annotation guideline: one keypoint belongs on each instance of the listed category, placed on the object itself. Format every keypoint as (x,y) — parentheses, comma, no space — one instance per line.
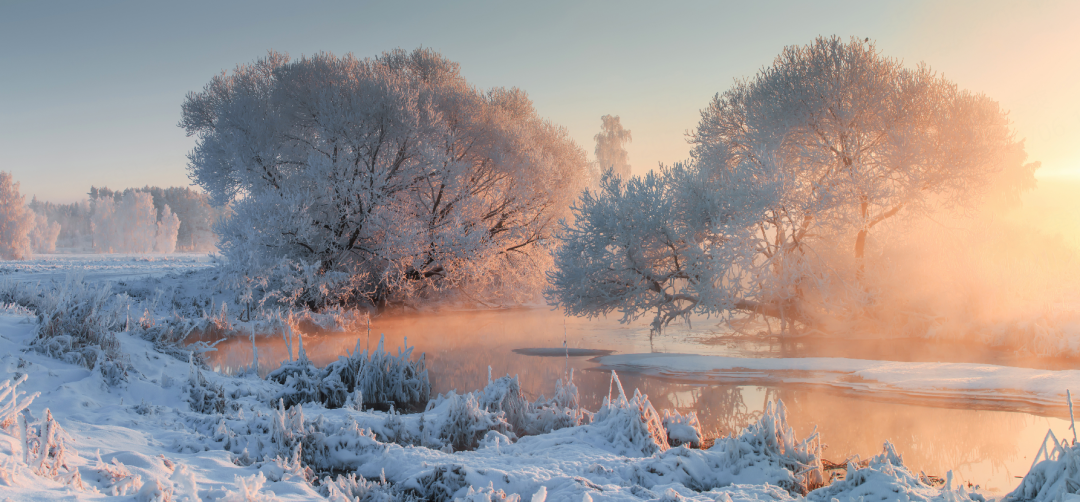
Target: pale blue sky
(90,92)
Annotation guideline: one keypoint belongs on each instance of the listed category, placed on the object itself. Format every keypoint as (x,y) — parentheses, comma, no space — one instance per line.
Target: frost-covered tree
(379,180)
(610,153)
(16,221)
(167,228)
(43,235)
(794,169)
(130,225)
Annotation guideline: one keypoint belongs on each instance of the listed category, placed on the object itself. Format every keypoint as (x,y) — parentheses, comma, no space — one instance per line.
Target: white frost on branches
(379,180)
(130,224)
(610,153)
(790,170)
(16,221)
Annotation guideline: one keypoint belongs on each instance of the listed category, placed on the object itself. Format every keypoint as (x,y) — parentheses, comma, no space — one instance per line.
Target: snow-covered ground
(166,429)
(112,267)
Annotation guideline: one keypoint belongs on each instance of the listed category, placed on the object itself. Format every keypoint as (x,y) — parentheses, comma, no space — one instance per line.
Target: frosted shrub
(440,483)
(203,395)
(504,395)
(561,411)
(488,494)
(168,336)
(75,325)
(772,436)
(883,478)
(466,422)
(344,448)
(682,429)
(632,425)
(301,380)
(540,417)
(353,488)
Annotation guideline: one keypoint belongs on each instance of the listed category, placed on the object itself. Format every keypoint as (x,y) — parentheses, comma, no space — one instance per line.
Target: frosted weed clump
(380,377)
(76,321)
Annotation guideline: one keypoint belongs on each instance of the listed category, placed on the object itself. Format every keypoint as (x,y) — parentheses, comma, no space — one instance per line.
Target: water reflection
(983,446)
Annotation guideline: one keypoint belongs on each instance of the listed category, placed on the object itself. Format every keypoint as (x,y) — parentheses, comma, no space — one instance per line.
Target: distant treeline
(148,219)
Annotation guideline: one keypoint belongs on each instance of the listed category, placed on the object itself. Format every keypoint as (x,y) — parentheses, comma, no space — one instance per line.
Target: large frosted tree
(379,180)
(790,173)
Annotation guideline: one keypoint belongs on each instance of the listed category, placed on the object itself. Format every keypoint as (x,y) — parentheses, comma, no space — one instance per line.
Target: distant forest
(134,220)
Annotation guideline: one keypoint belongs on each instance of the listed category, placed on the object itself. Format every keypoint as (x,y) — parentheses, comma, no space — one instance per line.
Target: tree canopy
(790,171)
(379,180)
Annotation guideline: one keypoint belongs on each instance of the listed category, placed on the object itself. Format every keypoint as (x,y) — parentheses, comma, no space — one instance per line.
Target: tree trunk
(860,246)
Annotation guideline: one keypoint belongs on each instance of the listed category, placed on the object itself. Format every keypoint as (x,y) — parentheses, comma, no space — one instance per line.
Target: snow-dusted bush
(301,382)
(75,324)
(682,429)
(379,180)
(884,478)
(466,422)
(504,395)
(632,425)
(203,395)
(117,477)
(772,436)
(385,378)
(440,483)
(168,335)
(539,417)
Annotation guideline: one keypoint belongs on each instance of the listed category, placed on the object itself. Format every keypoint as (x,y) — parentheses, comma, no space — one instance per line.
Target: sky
(90,92)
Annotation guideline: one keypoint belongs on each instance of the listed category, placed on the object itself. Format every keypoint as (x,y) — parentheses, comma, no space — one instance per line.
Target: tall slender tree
(610,153)
(16,221)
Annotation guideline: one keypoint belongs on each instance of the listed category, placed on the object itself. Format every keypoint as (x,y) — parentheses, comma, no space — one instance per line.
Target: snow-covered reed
(379,377)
